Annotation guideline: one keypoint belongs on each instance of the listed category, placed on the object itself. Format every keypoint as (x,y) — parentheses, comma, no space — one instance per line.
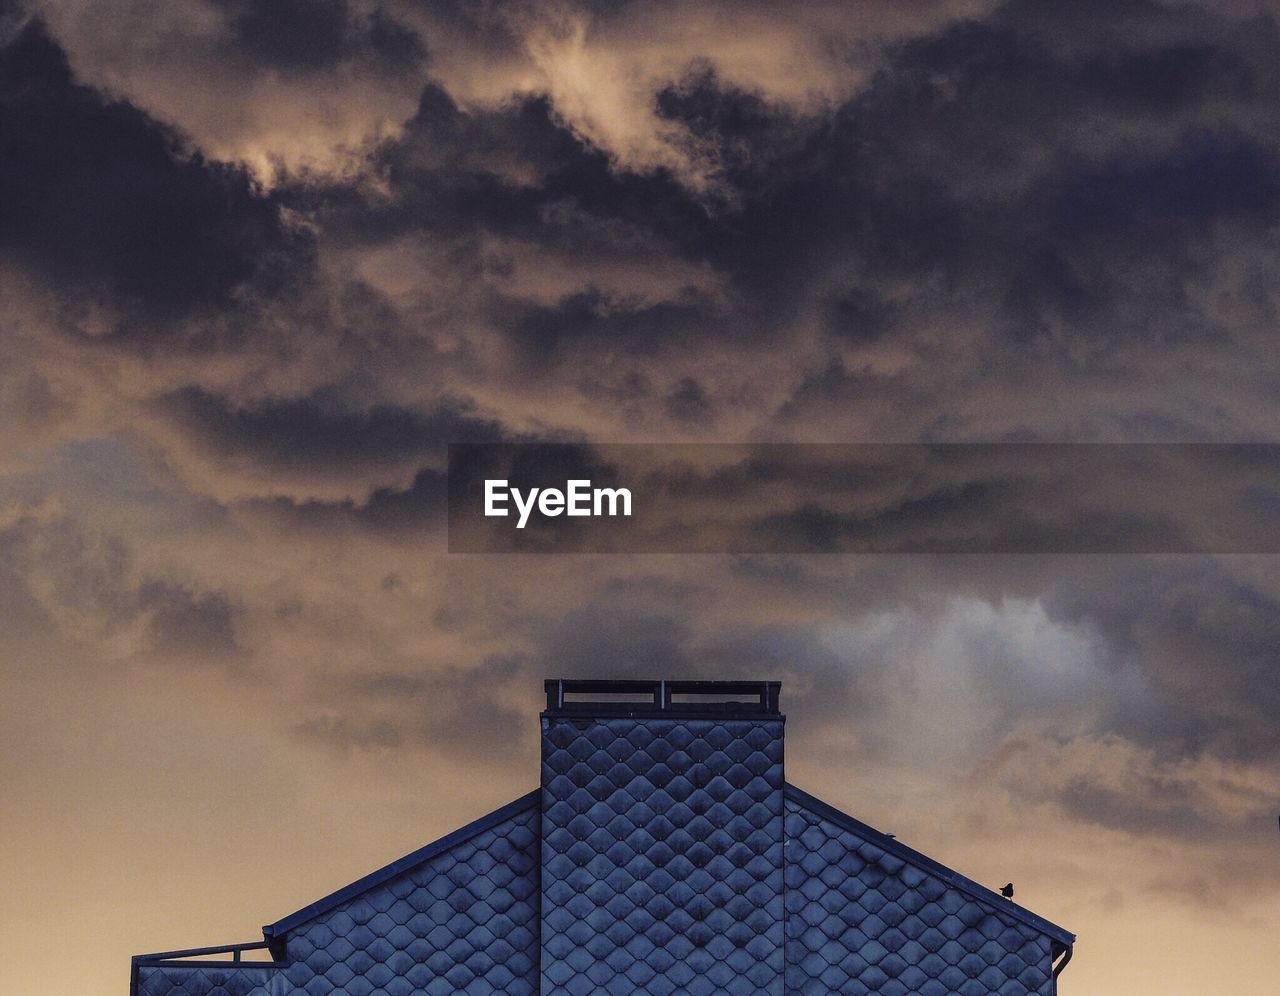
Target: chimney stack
(662,837)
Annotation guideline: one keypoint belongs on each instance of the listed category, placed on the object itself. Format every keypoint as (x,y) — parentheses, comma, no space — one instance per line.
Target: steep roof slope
(867,914)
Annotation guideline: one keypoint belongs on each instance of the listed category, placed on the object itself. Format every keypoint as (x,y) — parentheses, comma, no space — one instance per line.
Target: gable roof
(531,800)
(663,852)
(952,878)
(373,879)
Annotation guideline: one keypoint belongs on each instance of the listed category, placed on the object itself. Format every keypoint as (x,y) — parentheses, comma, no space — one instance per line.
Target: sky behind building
(261,261)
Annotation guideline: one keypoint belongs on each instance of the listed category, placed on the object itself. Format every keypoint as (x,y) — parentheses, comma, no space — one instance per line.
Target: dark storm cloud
(749,137)
(1058,168)
(1066,179)
(1055,176)
(1059,172)
(387,510)
(1183,650)
(585,320)
(835,385)
(447,173)
(502,170)
(435,709)
(96,196)
(1163,808)
(318,432)
(979,516)
(1178,681)
(1207,642)
(65,573)
(423,501)
(85,574)
(314,35)
(1101,224)
(187,625)
(689,403)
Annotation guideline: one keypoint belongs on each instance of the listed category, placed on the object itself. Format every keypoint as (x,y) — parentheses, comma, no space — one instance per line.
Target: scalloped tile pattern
(662,857)
(862,921)
(191,980)
(465,921)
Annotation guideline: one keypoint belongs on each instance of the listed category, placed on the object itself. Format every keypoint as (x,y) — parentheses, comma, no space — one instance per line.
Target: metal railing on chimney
(635,697)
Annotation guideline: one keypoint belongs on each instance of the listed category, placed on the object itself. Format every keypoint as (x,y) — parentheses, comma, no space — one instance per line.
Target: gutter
(1067,952)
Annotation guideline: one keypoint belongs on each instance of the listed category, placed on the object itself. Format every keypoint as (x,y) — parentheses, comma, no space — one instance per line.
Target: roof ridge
(282,926)
(790,791)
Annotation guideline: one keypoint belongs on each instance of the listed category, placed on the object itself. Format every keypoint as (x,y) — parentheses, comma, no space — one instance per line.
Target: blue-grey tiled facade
(201,980)
(465,920)
(864,919)
(664,854)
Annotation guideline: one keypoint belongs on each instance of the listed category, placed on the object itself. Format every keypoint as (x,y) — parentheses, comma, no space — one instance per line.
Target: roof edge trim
(426,853)
(953,878)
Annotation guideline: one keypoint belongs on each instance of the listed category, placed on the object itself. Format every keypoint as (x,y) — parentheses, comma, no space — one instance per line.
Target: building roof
(663,853)
(895,848)
(526,803)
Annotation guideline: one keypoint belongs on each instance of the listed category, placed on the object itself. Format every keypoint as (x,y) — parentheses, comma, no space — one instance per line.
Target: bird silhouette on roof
(1007,891)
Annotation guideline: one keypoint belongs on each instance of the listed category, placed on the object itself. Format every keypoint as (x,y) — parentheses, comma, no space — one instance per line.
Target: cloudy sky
(261,260)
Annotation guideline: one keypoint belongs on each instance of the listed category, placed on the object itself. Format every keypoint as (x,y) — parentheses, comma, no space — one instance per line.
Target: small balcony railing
(164,972)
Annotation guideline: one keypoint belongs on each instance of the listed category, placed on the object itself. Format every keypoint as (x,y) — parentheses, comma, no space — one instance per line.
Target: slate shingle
(664,854)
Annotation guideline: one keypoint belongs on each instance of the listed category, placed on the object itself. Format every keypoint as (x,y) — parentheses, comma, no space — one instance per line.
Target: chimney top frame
(661,698)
